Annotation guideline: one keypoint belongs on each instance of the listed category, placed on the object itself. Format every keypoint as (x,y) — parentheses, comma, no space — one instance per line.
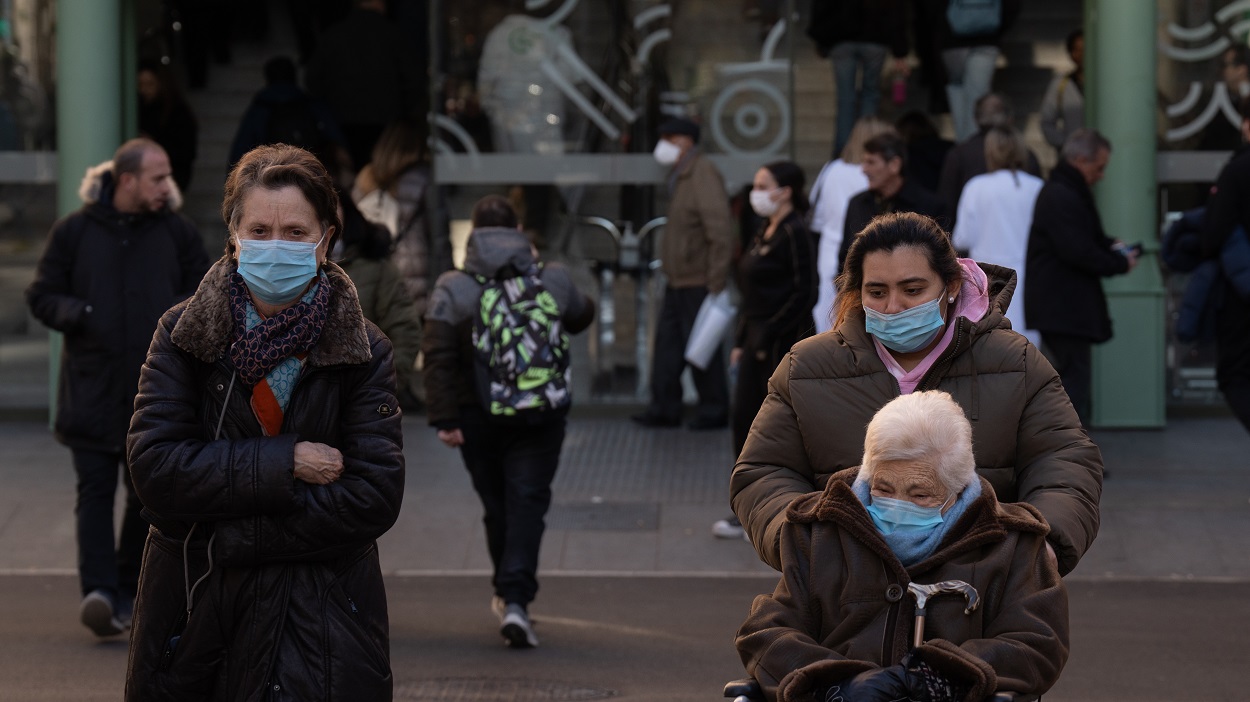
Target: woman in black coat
(267,449)
(777,277)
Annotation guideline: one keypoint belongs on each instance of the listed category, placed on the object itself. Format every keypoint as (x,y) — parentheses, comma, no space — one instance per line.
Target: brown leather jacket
(697,245)
(1027,439)
(841,606)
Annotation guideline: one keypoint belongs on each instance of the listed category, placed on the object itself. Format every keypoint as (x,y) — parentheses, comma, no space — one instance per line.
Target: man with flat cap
(695,253)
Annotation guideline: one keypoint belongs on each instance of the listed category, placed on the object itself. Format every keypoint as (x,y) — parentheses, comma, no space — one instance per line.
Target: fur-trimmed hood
(985,521)
(97,187)
(206,326)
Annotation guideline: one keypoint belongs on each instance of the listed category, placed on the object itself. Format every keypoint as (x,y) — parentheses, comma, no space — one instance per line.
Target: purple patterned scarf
(292,331)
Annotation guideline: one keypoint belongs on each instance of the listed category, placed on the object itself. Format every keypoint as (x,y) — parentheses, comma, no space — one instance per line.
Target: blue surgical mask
(890,515)
(277,271)
(909,330)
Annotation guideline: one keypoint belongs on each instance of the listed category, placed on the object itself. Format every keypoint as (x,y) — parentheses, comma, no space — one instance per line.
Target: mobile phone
(1128,249)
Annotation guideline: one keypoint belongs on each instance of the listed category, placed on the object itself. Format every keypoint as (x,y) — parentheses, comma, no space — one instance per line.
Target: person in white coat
(995,213)
(839,181)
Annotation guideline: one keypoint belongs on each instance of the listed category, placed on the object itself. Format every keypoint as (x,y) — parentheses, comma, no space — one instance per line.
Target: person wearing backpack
(500,392)
(968,43)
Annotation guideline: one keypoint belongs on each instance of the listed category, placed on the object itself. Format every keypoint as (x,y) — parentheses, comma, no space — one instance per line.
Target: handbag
(715,316)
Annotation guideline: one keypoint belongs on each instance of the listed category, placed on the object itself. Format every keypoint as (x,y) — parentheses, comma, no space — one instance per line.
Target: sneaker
(497,607)
(729,528)
(96,613)
(517,629)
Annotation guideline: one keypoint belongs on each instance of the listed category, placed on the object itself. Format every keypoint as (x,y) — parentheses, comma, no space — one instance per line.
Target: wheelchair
(747,690)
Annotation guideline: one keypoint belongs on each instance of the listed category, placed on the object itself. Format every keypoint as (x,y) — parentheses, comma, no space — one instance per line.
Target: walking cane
(922,593)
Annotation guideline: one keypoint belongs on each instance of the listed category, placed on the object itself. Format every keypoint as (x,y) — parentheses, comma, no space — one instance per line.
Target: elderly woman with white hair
(839,624)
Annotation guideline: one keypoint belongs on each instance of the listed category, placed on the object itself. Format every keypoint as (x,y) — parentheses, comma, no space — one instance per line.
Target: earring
(950,300)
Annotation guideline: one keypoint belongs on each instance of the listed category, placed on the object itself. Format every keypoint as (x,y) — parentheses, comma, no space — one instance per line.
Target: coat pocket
(357,643)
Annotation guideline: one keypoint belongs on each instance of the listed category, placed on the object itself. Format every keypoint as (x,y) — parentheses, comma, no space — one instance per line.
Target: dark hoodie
(492,253)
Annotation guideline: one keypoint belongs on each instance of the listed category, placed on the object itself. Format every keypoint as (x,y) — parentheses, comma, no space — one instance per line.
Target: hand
(317,464)
(877,685)
(452,437)
(1132,255)
(735,356)
(901,67)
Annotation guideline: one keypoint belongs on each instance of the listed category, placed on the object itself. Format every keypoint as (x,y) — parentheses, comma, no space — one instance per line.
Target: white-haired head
(923,426)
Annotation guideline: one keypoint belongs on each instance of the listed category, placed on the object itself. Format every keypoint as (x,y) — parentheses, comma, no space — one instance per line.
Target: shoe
(517,629)
(96,613)
(729,528)
(497,607)
(654,421)
(705,423)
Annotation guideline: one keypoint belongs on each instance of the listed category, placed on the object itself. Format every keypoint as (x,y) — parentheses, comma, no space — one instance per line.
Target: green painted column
(1129,371)
(89,108)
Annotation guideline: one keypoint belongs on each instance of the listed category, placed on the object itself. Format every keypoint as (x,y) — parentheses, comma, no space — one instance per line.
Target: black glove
(924,684)
(876,685)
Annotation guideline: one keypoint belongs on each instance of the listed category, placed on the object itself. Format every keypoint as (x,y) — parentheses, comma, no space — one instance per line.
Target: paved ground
(639,600)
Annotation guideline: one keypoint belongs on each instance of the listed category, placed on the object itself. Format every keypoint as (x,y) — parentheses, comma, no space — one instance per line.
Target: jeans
(1072,358)
(668,360)
(512,468)
(102,563)
(970,71)
(852,58)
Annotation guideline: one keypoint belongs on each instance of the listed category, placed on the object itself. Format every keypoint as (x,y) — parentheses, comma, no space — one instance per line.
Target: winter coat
(104,281)
(1068,255)
(777,277)
(366,70)
(865,206)
(423,242)
(842,606)
(385,301)
(292,605)
(449,371)
(1063,110)
(254,127)
(1027,439)
(870,21)
(170,123)
(697,245)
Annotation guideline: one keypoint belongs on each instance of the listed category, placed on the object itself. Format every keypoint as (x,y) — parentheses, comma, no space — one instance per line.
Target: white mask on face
(666,153)
(763,203)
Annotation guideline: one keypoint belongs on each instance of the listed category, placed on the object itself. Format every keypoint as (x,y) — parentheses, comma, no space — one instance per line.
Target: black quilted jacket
(293,606)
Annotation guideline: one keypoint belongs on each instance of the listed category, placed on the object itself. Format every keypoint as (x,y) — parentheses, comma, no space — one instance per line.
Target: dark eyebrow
(908,281)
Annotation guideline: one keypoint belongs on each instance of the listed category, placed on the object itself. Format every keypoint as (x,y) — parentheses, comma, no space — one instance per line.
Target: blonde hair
(400,145)
(865,128)
(927,426)
(1005,149)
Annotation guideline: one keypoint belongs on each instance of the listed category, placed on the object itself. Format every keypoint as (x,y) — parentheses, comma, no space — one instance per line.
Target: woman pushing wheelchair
(912,531)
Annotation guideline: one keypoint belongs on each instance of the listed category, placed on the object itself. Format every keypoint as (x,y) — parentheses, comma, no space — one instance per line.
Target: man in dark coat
(1068,252)
(1228,208)
(889,190)
(967,159)
(110,271)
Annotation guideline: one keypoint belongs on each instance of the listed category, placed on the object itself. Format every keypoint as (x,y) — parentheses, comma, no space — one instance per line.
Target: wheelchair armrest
(746,687)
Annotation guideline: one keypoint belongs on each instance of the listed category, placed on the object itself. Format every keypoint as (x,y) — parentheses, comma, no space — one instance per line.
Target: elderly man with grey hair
(1068,255)
(839,624)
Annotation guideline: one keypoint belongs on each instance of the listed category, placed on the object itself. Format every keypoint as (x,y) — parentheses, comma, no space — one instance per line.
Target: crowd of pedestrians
(259,432)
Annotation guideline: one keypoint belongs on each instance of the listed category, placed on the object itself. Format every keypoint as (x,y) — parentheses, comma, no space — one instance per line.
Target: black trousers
(668,360)
(105,564)
(512,468)
(1232,366)
(1072,357)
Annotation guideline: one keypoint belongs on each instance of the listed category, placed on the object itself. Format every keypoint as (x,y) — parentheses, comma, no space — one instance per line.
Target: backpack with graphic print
(521,351)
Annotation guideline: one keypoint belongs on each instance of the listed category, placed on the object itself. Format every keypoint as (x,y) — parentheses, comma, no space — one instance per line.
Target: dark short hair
(276,167)
(1073,37)
(993,110)
(129,156)
(682,126)
(789,175)
(494,211)
(888,146)
(888,232)
(280,69)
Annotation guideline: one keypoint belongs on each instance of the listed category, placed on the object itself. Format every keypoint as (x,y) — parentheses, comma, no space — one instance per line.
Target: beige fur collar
(206,326)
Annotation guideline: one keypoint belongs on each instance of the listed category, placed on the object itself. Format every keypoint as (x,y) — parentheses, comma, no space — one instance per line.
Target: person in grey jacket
(110,271)
(512,460)
(1063,107)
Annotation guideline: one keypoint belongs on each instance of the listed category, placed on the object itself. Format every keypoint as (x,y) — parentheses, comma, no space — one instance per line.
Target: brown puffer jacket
(842,606)
(292,605)
(1026,437)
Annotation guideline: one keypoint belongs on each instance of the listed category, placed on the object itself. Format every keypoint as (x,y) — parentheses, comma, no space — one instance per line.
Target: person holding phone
(1067,255)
